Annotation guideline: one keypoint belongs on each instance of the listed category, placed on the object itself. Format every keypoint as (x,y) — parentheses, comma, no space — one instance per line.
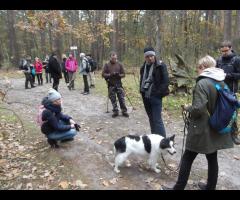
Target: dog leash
(185,116)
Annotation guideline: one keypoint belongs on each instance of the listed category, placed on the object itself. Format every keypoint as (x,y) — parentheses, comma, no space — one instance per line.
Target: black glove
(77,127)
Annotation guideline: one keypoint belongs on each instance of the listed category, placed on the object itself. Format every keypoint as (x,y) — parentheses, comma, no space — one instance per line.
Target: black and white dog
(151,145)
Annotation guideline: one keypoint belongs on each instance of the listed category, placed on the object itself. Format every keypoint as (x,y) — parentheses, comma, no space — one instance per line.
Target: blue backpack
(225,113)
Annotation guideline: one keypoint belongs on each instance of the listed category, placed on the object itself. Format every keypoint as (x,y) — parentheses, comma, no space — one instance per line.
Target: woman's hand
(72,122)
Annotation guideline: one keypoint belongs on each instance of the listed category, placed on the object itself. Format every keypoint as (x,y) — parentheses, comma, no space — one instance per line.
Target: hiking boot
(85,93)
(235,138)
(202,186)
(53,143)
(115,114)
(67,140)
(125,114)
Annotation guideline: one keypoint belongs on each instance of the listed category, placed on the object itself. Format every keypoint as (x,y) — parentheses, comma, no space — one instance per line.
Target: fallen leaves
(63,184)
(80,184)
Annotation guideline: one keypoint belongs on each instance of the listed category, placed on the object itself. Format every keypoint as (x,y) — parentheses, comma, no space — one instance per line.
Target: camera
(147,84)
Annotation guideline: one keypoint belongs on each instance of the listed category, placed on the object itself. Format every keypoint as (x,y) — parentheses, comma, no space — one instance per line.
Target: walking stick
(128,98)
(107,104)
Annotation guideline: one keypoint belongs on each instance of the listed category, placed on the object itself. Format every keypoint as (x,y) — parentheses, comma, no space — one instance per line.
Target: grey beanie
(149,51)
(53,95)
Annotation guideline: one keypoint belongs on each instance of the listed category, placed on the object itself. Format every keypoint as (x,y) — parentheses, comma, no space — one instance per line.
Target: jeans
(59,135)
(40,79)
(72,77)
(187,160)
(153,107)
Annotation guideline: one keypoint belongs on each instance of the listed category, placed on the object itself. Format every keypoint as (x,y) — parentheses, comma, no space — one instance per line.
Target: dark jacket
(231,66)
(201,138)
(54,68)
(63,65)
(113,73)
(160,79)
(51,116)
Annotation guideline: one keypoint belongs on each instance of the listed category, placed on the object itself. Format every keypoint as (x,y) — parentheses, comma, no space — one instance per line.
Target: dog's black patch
(120,145)
(147,143)
(165,143)
(135,137)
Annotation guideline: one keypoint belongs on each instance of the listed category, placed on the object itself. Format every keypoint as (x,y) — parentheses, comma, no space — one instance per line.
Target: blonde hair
(207,62)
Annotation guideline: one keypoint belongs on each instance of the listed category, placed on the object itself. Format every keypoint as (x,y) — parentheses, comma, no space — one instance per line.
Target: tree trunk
(237,34)
(227,25)
(115,33)
(13,45)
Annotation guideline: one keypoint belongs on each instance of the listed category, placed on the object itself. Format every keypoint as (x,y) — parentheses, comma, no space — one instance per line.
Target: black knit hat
(149,51)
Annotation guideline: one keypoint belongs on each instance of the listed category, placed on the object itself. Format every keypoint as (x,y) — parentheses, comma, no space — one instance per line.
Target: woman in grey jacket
(201,138)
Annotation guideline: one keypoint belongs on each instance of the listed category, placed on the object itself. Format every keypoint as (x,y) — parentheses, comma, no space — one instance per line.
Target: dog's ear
(164,143)
(172,137)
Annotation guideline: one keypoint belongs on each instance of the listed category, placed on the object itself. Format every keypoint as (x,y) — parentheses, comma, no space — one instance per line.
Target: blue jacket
(51,117)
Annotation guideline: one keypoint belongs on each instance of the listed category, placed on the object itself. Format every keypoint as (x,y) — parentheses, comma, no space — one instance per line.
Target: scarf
(147,81)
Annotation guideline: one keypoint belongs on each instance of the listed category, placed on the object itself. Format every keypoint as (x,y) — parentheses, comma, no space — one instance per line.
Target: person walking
(64,70)
(154,82)
(230,63)
(55,70)
(201,138)
(38,66)
(113,72)
(71,67)
(84,69)
(25,67)
(45,66)
(91,74)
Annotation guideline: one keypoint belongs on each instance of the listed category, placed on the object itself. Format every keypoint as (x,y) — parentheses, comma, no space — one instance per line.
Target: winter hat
(82,55)
(53,95)
(149,51)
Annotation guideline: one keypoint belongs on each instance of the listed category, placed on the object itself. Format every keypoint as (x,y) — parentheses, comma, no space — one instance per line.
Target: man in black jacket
(230,63)
(154,83)
(55,70)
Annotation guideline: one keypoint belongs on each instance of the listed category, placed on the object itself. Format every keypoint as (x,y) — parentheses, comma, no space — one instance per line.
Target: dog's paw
(157,170)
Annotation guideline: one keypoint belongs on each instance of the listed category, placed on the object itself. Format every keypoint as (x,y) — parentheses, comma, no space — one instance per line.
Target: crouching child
(55,125)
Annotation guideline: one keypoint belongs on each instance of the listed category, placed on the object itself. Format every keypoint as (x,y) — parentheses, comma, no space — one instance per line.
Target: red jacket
(38,66)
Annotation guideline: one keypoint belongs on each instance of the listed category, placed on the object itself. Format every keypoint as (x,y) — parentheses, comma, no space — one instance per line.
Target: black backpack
(22,64)
(93,64)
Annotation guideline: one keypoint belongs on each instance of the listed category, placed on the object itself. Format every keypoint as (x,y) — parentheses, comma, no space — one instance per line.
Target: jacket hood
(214,73)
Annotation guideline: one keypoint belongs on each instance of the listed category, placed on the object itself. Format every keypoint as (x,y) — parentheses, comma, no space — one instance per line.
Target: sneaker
(85,93)
(235,138)
(125,114)
(202,186)
(115,114)
(53,143)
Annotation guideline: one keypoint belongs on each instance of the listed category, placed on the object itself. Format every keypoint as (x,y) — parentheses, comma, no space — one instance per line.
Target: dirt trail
(89,157)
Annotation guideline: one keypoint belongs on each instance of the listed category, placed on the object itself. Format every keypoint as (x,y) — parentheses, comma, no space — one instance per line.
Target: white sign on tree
(73,47)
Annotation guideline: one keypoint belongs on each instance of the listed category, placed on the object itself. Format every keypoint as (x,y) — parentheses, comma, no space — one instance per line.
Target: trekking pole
(107,101)
(128,99)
